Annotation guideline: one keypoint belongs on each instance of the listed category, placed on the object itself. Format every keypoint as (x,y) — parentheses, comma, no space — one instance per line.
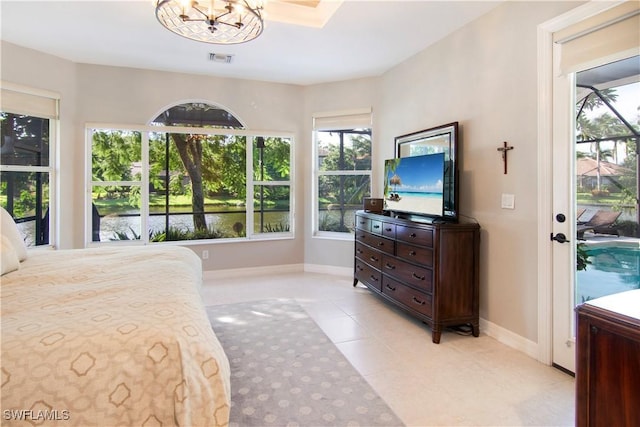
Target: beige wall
(91,93)
(483,76)
(138,96)
(40,71)
(332,97)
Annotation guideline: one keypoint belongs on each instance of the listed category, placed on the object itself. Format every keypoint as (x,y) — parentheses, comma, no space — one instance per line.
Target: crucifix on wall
(505,147)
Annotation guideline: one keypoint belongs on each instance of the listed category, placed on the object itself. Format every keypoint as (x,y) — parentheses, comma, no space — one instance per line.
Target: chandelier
(212,21)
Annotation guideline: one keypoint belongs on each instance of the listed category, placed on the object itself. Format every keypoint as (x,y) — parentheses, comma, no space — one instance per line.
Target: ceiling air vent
(220,57)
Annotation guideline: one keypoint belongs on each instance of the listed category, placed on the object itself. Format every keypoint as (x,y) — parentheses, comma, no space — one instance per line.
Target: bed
(109,337)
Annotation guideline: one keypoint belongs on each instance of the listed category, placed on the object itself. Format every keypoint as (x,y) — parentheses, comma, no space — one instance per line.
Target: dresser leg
(435,335)
(355,282)
(475,329)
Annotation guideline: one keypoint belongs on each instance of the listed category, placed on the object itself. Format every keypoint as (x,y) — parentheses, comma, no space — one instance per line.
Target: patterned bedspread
(110,337)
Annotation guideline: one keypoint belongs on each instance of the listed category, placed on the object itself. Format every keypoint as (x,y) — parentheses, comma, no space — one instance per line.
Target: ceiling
(360,38)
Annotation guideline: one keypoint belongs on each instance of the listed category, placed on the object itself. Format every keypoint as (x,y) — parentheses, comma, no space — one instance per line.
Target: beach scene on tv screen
(414,184)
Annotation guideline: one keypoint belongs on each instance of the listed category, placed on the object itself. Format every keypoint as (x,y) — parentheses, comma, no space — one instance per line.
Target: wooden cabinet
(608,361)
(430,270)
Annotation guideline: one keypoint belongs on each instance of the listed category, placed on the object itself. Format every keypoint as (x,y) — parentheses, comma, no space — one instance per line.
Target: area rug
(286,372)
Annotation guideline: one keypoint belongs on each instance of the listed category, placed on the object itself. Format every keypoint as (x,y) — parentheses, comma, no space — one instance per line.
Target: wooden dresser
(608,361)
(430,270)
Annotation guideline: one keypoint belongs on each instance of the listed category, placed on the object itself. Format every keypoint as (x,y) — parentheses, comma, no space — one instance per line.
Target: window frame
(144,182)
(342,121)
(252,183)
(41,104)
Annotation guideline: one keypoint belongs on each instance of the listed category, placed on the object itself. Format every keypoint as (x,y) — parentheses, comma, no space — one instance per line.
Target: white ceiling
(362,39)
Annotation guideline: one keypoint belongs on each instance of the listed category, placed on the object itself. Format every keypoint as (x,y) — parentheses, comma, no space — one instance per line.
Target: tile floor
(462,381)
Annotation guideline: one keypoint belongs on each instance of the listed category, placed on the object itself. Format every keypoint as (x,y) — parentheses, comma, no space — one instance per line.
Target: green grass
(185,200)
(114,205)
(588,199)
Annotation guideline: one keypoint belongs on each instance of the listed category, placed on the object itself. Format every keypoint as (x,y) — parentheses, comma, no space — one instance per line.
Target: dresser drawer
(416,236)
(376,227)
(415,254)
(376,242)
(363,223)
(366,274)
(418,277)
(369,255)
(412,298)
(389,230)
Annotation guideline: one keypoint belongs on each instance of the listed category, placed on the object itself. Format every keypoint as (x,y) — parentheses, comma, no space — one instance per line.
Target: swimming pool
(615,267)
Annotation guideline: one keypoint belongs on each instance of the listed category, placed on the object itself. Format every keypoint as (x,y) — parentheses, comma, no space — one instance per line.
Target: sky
(421,173)
(627,105)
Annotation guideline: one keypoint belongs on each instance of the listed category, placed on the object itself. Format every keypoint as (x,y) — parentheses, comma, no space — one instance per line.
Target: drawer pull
(412,253)
(373,258)
(359,250)
(390,266)
(415,276)
(376,226)
(388,229)
(374,278)
(391,288)
(413,235)
(359,268)
(417,301)
(380,244)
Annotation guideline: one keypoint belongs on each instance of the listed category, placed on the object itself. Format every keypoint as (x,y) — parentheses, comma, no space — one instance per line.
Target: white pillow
(8,259)
(9,230)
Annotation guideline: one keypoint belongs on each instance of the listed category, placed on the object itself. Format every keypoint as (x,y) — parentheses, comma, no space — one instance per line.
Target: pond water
(615,267)
(111,225)
(129,223)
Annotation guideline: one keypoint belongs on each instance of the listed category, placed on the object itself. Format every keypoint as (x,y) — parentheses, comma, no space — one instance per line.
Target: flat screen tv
(414,185)
(443,139)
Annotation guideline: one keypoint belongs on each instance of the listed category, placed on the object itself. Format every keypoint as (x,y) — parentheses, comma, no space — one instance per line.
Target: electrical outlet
(205,254)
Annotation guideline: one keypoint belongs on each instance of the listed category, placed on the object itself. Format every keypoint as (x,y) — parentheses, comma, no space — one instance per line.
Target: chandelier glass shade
(212,21)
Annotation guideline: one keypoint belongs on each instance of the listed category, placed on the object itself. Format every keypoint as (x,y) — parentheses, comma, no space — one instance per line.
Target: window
(213,180)
(271,185)
(116,185)
(27,138)
(342,169)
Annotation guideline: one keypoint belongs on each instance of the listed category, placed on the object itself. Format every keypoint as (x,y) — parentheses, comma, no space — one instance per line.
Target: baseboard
(253,271)
(278,269)
(509,338)
(329,269)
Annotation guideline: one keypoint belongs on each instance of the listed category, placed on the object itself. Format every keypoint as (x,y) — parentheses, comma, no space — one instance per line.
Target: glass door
(607,144)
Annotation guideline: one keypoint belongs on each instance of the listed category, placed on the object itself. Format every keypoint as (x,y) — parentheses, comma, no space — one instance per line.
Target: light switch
(508,201)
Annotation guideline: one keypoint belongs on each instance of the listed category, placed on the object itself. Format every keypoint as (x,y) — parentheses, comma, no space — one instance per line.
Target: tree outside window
(196,182)
(607,136)
(25,167)
(343,177)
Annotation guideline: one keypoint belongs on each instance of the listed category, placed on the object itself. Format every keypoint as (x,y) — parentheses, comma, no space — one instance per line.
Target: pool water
(615,267)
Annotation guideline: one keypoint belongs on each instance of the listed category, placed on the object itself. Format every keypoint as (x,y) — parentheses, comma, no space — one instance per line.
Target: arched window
(215,180)
(198,114)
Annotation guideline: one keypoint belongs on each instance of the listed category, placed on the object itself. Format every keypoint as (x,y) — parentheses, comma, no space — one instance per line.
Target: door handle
(560,238)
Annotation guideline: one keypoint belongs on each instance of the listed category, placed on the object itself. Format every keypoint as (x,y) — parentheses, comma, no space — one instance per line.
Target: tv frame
(443,138)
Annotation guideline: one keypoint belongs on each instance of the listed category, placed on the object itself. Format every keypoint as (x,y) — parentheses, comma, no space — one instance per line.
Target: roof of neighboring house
(586,166)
